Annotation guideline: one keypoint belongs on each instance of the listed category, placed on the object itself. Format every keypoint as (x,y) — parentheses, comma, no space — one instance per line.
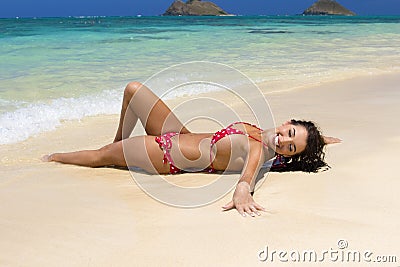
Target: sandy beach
(60,215)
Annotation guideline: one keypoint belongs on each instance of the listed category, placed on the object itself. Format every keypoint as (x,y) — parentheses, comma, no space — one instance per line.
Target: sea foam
(35,118)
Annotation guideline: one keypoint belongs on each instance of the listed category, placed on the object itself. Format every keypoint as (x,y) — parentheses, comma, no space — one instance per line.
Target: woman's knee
(111,154)
(132,87)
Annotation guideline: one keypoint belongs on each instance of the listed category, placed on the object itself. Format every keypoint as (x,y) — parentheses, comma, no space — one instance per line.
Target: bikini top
(228,131)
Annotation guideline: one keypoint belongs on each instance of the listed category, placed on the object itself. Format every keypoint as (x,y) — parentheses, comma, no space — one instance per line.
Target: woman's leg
(143,152)
(140,102)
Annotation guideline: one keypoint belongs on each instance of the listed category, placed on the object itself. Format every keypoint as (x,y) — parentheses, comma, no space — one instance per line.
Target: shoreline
(260,86)
(54,214)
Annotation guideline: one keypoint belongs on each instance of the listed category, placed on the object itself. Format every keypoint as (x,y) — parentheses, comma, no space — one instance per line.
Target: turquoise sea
(56,69)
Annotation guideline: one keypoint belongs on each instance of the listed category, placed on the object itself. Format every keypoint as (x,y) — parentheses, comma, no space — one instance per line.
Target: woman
(169,147)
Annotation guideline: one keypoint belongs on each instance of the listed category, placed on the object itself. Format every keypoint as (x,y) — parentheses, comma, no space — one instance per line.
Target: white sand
(59,215)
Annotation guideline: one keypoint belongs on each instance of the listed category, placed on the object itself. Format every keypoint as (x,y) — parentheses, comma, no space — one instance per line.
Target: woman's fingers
(250,208)
(249,211)
(258,207)
(229,205)
(331,140)
(241,211)
(254,210)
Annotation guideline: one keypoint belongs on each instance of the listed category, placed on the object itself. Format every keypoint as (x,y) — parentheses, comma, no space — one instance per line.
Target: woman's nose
(285,139)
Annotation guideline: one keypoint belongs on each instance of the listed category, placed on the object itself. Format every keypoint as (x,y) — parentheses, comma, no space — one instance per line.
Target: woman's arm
(242,199)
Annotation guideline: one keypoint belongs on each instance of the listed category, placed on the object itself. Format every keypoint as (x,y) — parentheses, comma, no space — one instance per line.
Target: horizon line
(161,15)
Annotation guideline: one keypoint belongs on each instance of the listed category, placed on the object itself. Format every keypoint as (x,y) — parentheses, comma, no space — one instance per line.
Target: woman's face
(290,139)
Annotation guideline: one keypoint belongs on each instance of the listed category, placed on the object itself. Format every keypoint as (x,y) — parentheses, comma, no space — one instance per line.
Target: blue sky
(55,8)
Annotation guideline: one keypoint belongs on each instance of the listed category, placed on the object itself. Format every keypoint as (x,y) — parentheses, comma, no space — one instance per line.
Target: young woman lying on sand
(170,148)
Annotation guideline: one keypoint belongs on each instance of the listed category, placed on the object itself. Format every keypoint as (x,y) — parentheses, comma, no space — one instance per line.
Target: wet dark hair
(312,158)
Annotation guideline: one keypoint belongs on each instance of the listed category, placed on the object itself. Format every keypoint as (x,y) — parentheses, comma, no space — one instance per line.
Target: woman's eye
(290,133)
(290,147)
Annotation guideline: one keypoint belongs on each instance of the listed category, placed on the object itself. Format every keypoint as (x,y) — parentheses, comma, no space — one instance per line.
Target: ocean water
(56,69)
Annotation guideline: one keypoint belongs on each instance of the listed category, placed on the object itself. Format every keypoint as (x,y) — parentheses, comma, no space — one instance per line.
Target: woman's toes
(46,158)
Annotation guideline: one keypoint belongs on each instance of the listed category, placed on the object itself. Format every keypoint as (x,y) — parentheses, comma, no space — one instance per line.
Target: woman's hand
(243,201)
(331,140)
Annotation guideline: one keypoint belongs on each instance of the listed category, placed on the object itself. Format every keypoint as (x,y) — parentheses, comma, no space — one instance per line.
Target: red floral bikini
(165,143)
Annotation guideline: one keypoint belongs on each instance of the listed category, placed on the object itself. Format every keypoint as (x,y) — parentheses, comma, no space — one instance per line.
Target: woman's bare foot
(47,158)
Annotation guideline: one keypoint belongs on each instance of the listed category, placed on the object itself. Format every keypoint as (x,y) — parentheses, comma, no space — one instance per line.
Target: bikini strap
(258,140)
(245,123)
(249,124)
